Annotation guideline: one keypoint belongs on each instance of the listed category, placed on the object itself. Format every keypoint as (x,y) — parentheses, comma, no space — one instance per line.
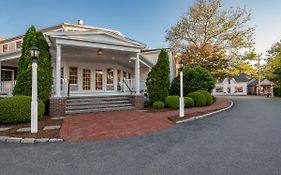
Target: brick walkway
(123,124)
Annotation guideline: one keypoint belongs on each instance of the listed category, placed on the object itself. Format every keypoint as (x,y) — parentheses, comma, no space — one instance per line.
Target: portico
(97,63)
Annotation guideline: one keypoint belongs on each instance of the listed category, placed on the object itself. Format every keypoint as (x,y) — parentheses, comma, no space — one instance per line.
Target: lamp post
(34,51)
(181,63)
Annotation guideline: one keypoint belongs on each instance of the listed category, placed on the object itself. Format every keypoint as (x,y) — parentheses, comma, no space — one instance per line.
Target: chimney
(80,22)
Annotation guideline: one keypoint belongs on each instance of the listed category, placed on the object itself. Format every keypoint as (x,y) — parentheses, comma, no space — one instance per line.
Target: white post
(181,95)
(137,74)
(259,81)
(58,72)
(34,105)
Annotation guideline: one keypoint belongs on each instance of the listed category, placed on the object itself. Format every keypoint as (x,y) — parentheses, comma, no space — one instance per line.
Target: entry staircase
(77,105)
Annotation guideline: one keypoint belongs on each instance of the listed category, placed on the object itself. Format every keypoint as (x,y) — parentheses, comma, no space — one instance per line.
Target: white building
(91,61)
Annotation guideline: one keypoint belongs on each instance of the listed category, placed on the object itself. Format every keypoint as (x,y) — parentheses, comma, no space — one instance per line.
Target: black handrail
(128,87)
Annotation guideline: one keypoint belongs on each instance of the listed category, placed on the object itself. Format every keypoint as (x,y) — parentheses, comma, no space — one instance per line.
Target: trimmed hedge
(208,95)
(199,98)
(158,105)
(277,91)
(18,109)
(188,102)
(172,102)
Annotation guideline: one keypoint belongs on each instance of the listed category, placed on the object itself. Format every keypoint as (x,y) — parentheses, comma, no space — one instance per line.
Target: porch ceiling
(87,54)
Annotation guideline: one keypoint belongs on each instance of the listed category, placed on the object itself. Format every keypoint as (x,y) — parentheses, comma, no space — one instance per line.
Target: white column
(181,96)
(57,72)
(34,104)
(137,74)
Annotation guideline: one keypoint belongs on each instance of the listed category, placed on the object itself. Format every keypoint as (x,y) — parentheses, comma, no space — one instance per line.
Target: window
(238,89)
(118,75)
(7,75)
(18,44)
(99,77)
(73,75)
(5,48)
(61,75)
(86,79)
(124,75)
(219,89)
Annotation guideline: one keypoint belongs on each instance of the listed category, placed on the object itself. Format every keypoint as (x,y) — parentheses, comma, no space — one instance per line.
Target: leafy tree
(211,36)
(24,78)
(273,67)
(194,78)
(158,82)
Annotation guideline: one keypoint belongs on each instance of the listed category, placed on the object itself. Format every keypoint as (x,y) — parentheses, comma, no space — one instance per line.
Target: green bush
(194,78)
(158,105)
(18,109)
(158,79)
(277,91)
(199,98)
(214,99)
(172,102)
(208,95)
(188,102)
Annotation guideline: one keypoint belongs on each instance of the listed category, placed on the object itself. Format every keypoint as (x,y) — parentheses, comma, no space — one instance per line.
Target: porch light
(34,52)
(99,52)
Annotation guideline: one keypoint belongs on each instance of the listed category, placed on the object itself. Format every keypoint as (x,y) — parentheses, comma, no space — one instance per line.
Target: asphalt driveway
(244,140)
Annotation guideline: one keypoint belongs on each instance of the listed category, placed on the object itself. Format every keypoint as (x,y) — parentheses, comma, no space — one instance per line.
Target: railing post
(137,74)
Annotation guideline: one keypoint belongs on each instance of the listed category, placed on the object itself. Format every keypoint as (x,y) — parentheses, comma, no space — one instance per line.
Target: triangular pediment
(98,37)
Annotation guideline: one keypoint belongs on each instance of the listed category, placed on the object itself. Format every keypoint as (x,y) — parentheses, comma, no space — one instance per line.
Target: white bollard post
(34,103)
(181,96)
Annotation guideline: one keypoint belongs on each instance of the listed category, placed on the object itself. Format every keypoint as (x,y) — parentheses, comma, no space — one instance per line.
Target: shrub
(208,96)
(172,102)
(199,98)
(277,91)
(18,109)
(158,105)
(188,102)
(158,79)
(194,79)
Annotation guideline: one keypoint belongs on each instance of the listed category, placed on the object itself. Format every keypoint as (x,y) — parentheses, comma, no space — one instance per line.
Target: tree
(158,82)
(211,36)
(24,78)
(194,78)
(273,68)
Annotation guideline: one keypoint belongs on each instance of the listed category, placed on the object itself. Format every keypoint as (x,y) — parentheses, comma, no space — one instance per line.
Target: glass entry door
(109,79)
(99,80)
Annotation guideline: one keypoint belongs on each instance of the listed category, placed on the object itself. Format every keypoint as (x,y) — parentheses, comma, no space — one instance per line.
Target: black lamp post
(34,52)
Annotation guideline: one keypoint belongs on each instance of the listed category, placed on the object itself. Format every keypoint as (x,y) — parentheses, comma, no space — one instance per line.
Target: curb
(28,140)
(206,115)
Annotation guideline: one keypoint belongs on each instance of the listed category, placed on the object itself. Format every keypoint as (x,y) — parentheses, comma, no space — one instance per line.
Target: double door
(104,80)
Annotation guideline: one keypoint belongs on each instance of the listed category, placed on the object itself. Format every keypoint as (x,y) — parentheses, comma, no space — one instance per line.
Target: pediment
(98,37)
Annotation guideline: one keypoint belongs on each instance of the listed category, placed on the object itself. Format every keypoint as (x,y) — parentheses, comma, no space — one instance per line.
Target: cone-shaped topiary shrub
(208,95)
(188,102)
(158,105)
(172,102)
(158,79)
(199,98)
(18,109)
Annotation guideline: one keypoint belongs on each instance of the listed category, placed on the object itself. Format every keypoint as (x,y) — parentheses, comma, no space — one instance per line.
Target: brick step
(94,102)
(97,106)
(99,110)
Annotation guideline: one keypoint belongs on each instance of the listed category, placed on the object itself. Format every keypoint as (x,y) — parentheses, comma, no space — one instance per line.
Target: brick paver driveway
(244,140)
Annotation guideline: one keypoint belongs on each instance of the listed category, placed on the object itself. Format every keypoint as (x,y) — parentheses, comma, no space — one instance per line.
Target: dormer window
(18,44)
(5,48)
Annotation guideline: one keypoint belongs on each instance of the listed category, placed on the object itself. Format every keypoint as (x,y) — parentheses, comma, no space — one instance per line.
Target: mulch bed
(44,121)
(150,109)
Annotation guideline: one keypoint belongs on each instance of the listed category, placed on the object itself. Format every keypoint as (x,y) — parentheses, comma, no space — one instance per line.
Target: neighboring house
(242,85)
(87,61)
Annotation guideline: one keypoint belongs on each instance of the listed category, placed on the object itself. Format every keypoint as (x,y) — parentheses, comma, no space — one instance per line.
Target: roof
(242,78)
(264,81)
(64,25)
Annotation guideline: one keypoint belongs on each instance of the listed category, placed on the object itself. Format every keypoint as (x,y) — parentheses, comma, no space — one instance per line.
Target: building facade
(87,61)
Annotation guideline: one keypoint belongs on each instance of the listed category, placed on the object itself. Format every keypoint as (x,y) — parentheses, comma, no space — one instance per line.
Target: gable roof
(242,78)
(63,26)
(264,81)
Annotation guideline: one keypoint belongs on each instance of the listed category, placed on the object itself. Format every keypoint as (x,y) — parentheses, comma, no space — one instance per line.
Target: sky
(142,20)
